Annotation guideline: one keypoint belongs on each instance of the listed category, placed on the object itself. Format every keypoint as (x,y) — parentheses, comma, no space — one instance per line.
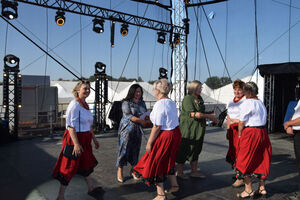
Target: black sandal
(250,195)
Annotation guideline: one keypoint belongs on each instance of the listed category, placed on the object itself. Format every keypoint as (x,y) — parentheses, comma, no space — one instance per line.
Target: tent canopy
(279,68)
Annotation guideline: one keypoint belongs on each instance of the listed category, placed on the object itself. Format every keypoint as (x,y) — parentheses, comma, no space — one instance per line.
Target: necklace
(238,99)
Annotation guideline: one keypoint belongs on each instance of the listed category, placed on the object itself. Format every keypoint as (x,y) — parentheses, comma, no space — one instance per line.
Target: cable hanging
(267,47)
(213,34)
(125,64)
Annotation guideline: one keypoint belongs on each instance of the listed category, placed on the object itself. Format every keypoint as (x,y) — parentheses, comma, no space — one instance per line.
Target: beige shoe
(197,175)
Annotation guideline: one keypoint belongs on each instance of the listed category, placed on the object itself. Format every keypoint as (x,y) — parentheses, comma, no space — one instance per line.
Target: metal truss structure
(107,14)
(12,96)
(101,98)
(179,54)
(269,101)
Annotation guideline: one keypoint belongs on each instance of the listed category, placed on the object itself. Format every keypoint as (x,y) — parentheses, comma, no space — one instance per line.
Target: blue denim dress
(130,133)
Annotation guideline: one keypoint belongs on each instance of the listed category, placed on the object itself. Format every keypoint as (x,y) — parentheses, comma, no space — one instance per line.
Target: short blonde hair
(78,86)
(192,87)
(163,86)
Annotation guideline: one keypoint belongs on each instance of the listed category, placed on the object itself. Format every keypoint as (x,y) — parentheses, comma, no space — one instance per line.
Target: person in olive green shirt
(192,127)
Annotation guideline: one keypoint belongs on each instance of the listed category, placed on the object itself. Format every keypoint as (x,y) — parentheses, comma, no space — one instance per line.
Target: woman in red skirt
(254,156)
(232,125)
(78,135)
(163,144)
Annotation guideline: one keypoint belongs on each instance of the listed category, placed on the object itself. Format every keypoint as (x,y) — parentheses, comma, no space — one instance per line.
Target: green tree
(213,82)
(140,79)
(225,81)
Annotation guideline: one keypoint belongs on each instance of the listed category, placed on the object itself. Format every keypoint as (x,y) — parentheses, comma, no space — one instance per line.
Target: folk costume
(233,112)
(154,167)
(254,156)
(79,117)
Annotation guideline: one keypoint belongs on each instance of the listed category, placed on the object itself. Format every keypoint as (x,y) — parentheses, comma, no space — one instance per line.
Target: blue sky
(273,21)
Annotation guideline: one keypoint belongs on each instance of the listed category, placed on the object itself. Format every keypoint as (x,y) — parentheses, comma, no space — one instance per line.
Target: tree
(225,81)
(213,82)
(140,79)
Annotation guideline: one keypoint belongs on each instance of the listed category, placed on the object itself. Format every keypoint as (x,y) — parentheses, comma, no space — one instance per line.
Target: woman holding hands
(163,143)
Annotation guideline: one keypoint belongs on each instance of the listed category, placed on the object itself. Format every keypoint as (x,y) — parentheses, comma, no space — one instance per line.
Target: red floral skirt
(233,148)
(255,151)
(66,168)
(154,167)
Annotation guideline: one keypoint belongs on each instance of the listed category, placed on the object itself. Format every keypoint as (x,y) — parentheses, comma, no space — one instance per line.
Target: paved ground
(26,168)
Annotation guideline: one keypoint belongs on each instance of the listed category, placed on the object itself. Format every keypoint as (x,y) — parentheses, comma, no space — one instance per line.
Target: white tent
(116,92)
(225,93)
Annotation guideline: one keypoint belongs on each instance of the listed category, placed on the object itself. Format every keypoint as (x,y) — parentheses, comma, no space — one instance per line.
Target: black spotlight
(11,61)
(9,9)
(124,29)
(100,68)
(186,25)
(60,18)
(187,1)
(161,37)
(176,39)
(98,26)
(163,73)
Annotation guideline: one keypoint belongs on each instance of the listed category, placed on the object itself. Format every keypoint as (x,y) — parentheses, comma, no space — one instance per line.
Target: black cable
(39,47)
(80,44)
(196,50)
(51,50)
(216,41)
(268,46)
(202,43)
(127,60)
(290,15)
(256,38)
(285,4)
(6,35)
(138,46)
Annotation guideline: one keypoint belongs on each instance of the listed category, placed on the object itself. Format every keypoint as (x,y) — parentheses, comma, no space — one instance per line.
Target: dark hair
(238,83)
(131,92)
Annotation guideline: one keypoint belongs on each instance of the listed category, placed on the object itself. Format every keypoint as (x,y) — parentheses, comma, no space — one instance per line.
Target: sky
(80,50)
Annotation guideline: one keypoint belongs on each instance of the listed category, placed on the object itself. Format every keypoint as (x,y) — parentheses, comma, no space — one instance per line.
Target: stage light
(187,1)
(176,39)
(11,61)
(124,29)
(9,9)
(60,18)
(163,73)
(98,26)
(161,37)
(186,25)
(100,68)
(156,1)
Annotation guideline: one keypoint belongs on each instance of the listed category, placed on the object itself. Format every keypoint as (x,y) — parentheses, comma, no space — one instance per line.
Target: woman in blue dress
(130,130)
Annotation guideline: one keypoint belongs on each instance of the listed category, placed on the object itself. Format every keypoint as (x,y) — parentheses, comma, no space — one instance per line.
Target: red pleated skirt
(66,168)
(255,151)
(233,147)
(154,167)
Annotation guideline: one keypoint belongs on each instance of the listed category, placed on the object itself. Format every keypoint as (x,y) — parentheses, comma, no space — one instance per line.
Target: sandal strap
(248,192)
(162,195)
